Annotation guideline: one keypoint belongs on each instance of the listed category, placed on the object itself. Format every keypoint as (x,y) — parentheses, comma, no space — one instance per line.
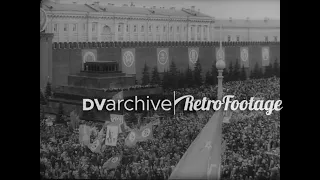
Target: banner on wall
(265,52)
(193,54)
(244,56)
(163,59)
(89,55)
(128,64)
(220,53)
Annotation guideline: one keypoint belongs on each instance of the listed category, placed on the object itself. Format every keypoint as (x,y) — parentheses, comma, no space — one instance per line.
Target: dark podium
(100,79)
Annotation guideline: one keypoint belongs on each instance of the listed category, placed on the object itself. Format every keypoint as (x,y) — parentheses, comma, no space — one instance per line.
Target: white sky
(237,9)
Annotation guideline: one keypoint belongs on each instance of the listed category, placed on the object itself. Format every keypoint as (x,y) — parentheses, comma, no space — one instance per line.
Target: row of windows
(266,38)
(142,29)
(120,28)
(74,27)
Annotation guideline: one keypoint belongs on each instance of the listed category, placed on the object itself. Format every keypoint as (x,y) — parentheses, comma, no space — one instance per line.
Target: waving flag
(84,136)
(112,134)
(128,61)
(163,59)
(95,146)
(112,163)
(118,96)
(119,119)
(74,119)
(202,159)
(146,132)
(227,116)
(132,138)
(193,57)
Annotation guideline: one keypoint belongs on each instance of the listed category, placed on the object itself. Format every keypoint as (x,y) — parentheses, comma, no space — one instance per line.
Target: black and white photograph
(160,89)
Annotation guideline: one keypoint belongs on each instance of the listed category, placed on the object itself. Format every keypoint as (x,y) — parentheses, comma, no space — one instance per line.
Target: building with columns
(94,23)
(248,30)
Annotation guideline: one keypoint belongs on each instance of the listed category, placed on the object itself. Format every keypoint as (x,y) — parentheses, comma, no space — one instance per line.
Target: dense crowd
(252,142)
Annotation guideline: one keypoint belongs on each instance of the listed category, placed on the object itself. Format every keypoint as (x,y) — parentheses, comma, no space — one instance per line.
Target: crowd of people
(252,141)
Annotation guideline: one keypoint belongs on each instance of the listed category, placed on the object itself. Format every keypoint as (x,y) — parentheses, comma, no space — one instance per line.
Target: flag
(244,56)
(112,134)
(163,59)
(220,53)
(49,121)
(265,56)
(128,61)
(227,116)
(95,146)
(112,163)
(146,132)
(193,56)
(84,136)
(118,96)
(156,122)
(202,159)
(100,134)
(120,120)
(133,138)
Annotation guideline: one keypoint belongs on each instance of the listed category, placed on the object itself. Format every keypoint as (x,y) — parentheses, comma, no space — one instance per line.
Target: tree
(252,75)
(268,71)
(48,92)
(42,113)
(256,74)
(260,73)
(155,79)
(181,79)
(276,68)
(225,75)
(197,73)
(230,72)
(43,100)
(236,71)
(243,75)
(145,75)
(60,115)
(189,77)
(173,83)
(214,74)
(165,80)
(208,80)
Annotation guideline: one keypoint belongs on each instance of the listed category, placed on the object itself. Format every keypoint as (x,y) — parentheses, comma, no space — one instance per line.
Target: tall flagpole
(220,36)
(220,65)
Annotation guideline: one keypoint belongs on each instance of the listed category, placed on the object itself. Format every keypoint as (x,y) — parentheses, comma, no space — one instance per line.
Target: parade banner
(95,146)
(193,54)
(128,64)
(220,53)
(119,119)
(112,162)
(89,55)
(163,59)
(244,56)
(132,138)
(116,117)
(265,52)
(146,132)
(112,135)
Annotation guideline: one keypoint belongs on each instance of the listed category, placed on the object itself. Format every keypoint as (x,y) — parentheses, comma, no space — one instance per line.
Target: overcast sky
(254,9)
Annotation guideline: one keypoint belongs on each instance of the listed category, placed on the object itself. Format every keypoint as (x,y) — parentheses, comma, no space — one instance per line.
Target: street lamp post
(220,65)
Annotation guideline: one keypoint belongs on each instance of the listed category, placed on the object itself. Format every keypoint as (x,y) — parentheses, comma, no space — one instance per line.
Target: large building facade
(96,23)
(92,22)
(267,30)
